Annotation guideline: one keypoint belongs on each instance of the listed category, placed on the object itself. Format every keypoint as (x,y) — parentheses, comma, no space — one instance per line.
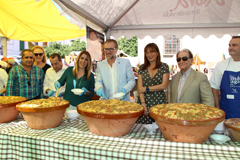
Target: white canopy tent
(156,17)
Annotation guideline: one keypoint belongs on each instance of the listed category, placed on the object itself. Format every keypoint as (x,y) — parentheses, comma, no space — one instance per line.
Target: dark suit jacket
(197,89)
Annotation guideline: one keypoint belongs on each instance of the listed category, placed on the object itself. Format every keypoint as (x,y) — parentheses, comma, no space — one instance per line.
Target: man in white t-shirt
(226,79)
(3,81)
(52,75)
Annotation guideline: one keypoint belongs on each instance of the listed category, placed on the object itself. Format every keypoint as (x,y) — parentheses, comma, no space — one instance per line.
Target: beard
(111,57)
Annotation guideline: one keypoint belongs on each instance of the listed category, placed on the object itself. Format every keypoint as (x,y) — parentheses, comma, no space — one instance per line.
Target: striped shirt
(181,82)
(21,84)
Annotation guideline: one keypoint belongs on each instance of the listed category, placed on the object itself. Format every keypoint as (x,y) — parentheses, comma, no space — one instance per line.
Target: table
(73,140)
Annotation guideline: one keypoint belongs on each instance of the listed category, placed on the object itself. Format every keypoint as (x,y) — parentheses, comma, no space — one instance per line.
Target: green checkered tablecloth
(73,140)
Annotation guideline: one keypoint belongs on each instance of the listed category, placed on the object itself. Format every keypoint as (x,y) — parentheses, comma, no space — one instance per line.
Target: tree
(129,46)
(55,47)
(78,45)
(65,49)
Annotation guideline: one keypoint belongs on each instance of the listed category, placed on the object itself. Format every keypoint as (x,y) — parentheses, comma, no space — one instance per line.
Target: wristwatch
(147,90)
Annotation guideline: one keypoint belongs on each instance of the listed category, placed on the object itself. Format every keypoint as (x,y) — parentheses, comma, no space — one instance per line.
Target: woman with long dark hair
(153,79)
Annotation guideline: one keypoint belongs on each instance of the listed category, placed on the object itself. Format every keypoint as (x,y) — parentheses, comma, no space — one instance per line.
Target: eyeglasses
(109,49)
(38,54)
(183,58)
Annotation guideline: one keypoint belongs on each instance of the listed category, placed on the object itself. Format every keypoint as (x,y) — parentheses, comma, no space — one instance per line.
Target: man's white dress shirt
(113,79)
(51,77)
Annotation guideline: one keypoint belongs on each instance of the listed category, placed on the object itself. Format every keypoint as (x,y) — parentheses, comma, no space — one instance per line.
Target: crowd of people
(35,79)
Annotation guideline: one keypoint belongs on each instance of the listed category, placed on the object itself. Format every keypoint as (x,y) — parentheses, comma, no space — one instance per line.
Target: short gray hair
(188,51)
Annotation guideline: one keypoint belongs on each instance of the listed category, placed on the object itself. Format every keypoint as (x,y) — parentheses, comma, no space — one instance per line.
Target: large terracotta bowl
(233,129)
(188,131)
(43,118)
(8,112)
(113,125)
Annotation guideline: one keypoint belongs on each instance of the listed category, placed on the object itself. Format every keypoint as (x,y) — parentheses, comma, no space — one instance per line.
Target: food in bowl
(186,122)
(187,111)
(77,91)
(8,111)
(111,106)
(11,99)
(43,113)
(110,117)
(233,126)
(43,103)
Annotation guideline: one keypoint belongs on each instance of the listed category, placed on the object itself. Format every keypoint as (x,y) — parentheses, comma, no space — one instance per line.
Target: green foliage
(55,47)
(128,46)
(78,45)
(65,49)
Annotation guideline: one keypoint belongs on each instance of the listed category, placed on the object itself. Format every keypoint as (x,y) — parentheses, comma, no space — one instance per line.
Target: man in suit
(114,74)
(190,86)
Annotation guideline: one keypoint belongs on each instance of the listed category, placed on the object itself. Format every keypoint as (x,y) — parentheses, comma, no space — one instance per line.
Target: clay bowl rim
(12,104)
(205,122)
(48,109)
(110,116)
(232,127)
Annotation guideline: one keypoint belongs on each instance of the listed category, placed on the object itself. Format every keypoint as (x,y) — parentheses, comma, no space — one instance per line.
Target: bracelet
(143,102)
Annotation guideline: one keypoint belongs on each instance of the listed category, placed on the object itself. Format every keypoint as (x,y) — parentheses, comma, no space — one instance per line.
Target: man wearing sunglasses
(226,78)
(26,80)
(114,74)
(190,86)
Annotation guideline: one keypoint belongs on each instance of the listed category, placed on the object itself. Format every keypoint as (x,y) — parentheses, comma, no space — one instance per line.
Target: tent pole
(108,34)
(4,46)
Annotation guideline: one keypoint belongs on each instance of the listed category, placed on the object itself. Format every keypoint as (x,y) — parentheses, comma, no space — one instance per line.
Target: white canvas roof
(156,17)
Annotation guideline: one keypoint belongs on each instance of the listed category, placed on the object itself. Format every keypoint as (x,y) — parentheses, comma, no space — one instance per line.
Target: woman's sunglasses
(38,54)
(183,58)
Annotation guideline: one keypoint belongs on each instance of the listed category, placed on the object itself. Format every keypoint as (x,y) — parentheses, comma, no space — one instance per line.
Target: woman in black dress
(40,58)
(153,79)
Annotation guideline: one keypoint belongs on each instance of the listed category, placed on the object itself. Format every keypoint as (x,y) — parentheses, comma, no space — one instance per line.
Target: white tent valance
(154,33)
(153,18)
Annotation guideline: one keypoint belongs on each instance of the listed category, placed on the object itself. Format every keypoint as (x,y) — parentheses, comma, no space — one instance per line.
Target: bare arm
(158,87)
(216,97)
(141,95)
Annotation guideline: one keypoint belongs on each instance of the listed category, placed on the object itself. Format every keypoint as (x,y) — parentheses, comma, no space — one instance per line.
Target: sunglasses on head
(183,58)
(38,54)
